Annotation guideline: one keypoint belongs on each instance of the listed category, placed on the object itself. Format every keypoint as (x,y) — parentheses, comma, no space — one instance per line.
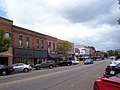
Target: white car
(115,62)
(21,67)
(74,62)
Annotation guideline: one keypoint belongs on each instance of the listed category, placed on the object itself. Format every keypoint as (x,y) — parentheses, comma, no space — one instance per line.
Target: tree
(4,41)
(64,47)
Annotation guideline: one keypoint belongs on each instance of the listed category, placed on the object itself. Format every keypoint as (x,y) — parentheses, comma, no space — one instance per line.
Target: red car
(105,83)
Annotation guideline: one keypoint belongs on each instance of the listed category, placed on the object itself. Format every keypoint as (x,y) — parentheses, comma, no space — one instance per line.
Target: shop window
(20,41)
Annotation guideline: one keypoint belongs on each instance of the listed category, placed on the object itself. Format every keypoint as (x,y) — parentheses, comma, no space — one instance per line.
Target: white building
(81,52)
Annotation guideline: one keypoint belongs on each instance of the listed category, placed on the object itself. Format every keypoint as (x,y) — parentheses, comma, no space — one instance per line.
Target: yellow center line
(31,78)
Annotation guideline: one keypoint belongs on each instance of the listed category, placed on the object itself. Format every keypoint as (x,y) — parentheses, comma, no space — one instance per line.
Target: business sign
(23,53)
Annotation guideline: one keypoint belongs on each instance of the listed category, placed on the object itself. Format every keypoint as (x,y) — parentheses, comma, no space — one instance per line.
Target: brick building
(27,46)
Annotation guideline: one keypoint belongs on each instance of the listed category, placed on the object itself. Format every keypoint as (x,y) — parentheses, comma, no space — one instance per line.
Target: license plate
(112,72)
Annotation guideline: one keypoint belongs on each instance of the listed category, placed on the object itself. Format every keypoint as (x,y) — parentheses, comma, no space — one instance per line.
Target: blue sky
(2,13)
(92,22)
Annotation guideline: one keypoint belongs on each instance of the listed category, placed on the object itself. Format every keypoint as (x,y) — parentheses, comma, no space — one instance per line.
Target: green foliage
(64,47)
(118,21)
(113,52)
(4,41)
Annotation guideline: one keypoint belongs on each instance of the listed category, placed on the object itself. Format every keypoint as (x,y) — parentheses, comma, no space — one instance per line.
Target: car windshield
(43,62)
(88,60)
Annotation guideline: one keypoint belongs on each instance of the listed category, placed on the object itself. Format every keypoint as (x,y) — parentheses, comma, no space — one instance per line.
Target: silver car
(21,67)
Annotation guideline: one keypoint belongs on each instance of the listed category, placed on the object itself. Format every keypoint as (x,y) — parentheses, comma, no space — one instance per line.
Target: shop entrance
(4,60)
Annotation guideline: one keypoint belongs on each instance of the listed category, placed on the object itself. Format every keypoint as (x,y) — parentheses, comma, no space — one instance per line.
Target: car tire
(4,73)
(38,68)
(26,70)
(50,67)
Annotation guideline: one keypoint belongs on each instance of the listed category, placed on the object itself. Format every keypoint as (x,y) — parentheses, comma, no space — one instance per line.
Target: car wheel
(4,73)
(26,70)
(51,67)
(38,68)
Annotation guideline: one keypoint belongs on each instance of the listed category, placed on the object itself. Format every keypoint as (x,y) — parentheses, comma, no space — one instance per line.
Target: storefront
(29,56)
(39,56)
(53,56)
(23,56)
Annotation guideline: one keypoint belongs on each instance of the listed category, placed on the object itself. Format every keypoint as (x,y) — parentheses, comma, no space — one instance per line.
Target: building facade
(26,46)
(82,52)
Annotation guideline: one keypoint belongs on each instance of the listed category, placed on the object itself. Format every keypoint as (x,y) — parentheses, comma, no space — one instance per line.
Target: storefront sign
(40,54)
(23,53)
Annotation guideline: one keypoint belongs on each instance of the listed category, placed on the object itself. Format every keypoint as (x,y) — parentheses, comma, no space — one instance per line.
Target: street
(76,77)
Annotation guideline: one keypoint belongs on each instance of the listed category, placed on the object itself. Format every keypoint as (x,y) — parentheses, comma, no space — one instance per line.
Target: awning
(4,54)
(53,55)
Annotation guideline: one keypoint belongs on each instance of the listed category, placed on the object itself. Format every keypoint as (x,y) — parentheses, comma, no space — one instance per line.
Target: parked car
(74,62)
(64,63)
(88,61)
(111,83)
(4,69)
(115,62)
(46,64)
(112,70)
(21,67)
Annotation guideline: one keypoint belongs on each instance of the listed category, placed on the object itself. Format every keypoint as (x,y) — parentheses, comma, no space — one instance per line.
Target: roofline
(6,19)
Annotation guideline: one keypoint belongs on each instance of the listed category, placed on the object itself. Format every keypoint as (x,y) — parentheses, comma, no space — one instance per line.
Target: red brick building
(27,46)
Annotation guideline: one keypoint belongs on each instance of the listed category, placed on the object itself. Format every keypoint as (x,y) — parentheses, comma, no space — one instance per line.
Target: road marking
(35,77)
(31,78)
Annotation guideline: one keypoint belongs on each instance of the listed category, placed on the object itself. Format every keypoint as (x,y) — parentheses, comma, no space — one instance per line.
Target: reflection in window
(7,34)
(37,43)
(27,42)
(42,44)
(20,41)
(53,46)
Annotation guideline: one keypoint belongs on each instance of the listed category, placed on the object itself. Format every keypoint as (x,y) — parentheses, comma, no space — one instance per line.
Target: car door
(43,64)
(18,67)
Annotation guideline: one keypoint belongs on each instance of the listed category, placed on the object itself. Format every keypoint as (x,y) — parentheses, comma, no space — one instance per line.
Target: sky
(83,22)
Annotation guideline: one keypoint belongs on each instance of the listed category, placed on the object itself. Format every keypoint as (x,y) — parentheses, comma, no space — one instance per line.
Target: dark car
(4,69)
(104,83)
(64,63)
(112,70)
(46,64)
(88,61)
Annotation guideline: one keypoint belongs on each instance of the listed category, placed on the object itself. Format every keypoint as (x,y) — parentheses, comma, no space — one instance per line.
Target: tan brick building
(27,46)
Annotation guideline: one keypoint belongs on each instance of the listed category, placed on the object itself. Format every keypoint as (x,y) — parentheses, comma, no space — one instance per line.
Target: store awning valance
(53,55)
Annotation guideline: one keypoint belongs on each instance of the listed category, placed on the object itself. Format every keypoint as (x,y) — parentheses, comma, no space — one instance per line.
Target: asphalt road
(77,77)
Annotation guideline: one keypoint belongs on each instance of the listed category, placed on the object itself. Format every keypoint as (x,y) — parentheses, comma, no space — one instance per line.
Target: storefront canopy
(4,54)
(53,55)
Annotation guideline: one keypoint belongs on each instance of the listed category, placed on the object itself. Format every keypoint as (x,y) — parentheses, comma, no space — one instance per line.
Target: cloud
(92,22)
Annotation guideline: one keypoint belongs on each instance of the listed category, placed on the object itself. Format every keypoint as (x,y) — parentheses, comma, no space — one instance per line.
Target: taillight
(96,87)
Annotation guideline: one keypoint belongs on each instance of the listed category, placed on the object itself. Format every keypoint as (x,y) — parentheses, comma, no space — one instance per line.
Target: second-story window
(42,44)
(27,42)
(20,41)
(53,46)
(37,43)
(7,34)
